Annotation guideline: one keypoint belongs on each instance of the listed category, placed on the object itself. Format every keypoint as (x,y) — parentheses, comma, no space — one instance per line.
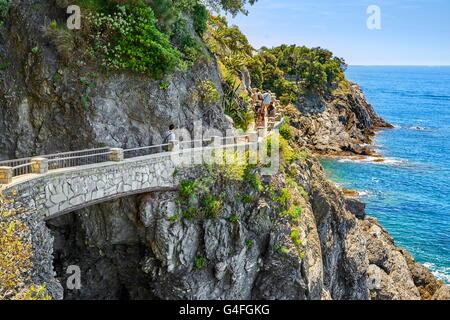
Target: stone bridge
(59,191)
(48,186)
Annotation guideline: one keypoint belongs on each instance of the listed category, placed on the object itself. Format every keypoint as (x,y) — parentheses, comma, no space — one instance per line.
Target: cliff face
(47,106)
(142,247)
(145,248)
(337,124)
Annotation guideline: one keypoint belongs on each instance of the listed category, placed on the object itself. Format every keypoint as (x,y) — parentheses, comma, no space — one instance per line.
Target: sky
(413,32)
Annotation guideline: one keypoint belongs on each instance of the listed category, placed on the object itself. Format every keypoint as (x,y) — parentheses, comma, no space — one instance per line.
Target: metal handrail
(147,147)
(23,165)
(7,163)
(22,169)
(78,158)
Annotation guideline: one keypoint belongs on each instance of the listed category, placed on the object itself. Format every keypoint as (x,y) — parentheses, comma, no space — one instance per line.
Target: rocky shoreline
(291,236)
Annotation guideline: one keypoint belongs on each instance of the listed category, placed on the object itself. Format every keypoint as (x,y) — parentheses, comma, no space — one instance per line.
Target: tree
(286,70)
(232,6)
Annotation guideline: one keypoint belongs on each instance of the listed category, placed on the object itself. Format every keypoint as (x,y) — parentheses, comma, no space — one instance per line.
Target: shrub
(187,188)
(207,92)
(199,263)
(135,42)
(286,132)
(303,153)
(285,196)
(294,212)
(190,213)
(4,9)
(200,17)
(212,207)
(186,43)
(15,258)
(254,181)
(295,236)
(248,199)
(233,219)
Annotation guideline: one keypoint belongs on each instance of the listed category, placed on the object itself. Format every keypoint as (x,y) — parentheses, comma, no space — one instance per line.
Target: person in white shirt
(169,136)
(261,121)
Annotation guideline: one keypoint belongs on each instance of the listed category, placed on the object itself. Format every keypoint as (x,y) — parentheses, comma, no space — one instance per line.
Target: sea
(409,193)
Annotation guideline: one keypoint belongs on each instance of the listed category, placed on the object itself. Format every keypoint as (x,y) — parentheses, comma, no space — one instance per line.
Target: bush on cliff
(4,8)
(135,42)
(15,258)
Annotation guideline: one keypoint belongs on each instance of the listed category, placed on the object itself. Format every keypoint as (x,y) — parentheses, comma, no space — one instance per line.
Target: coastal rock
(358,208)
(339,124)
(389,275)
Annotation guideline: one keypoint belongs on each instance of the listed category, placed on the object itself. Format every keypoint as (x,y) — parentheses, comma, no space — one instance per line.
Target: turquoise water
(410,192)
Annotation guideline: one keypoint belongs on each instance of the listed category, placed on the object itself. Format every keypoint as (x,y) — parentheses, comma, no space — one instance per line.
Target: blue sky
(413,32)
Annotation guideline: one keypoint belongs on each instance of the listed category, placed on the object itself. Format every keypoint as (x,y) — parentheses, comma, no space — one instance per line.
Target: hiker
(242,103)
(267,99)
(262,112)
(257,97)
(169,136)
(271,109)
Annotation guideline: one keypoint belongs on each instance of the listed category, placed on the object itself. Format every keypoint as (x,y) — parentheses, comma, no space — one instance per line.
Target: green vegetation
(163,85)
(212,207)
(248,199)
(135,42)
(200,17)
(231,48)
(249,243)
(294,212)
(173,218)
(295,237)
(196,200)
(206,92)
(233,219)
(254,181)
(5,65)
(231,104)
(199,263)
(152,37)
(4,9)
(291,70)
(186,43)
(15,258)
(187,188)
(286,131)
(303,154)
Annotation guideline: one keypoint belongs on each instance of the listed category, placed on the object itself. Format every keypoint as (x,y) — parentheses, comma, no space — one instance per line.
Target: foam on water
(409,192)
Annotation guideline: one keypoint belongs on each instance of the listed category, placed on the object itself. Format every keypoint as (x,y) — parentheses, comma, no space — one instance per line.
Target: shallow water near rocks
(410,191)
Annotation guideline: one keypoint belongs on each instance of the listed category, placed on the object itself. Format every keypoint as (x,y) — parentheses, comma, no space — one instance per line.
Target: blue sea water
(410,192)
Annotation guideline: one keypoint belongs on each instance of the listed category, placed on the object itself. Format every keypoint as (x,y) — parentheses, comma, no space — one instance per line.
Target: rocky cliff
(49,106)
(304,242)
(289,236)
(341,123)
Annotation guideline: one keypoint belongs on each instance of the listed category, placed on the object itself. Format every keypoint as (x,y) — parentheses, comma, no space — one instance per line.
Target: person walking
(242,104)
(271,110)
(169,136)
(266,100)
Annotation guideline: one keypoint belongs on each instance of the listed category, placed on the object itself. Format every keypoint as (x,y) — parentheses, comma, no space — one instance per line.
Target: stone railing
(109,174)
